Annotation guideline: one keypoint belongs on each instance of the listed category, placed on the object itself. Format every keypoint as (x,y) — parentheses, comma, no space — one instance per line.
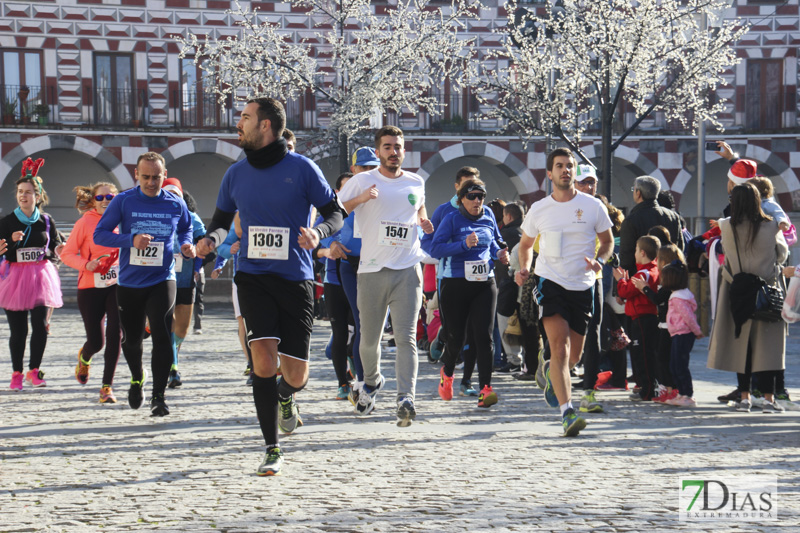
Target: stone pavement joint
(68,463)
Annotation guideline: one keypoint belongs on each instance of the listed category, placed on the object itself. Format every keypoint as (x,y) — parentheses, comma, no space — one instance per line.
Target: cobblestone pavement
(71,464)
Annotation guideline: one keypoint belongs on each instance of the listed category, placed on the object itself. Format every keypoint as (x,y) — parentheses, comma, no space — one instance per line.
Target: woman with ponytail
(29,281)
(97,283)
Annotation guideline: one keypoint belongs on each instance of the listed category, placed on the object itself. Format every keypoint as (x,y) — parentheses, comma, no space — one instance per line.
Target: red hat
(742,170)
(173,185)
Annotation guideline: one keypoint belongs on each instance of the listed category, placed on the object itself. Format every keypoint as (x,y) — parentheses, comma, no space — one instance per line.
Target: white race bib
(101,281)
(266,242)
(550,244)
(152,256)
(476,270)
(178,262)
(29,255)
(396,234)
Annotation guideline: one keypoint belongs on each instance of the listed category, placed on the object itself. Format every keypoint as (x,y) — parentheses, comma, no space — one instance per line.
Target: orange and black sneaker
(487,397)
(82,369)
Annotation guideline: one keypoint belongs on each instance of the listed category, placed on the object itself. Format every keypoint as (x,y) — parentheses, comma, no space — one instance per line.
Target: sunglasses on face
(475,196)
(108,197)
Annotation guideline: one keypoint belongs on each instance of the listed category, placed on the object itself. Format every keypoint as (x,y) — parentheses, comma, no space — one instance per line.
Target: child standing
(643,315)
(666,385)
(683,328)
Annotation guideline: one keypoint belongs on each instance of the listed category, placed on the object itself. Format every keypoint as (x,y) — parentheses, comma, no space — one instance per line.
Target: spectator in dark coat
(644,215)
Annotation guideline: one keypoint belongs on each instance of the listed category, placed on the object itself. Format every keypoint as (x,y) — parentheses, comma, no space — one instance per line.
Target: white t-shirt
(568,232)
(388,223)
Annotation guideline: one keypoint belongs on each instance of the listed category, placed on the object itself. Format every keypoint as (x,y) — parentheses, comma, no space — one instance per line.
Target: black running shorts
(275,308)
(184,296)
(574,306)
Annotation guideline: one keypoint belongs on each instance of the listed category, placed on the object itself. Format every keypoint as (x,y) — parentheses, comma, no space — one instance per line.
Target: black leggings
(469,305)
(157,304)
(765,380)
(95,305)
(18,327)
(338,311)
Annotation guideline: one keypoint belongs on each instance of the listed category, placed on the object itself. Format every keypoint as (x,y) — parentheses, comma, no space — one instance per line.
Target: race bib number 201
(476,270)
(267,242)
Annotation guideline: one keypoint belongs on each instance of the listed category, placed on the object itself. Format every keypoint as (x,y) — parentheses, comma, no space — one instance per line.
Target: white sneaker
(366,400)
(772,407)
(743,406)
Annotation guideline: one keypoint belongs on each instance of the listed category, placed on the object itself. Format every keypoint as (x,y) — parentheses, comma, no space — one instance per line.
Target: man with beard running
(568,223)
(274,190)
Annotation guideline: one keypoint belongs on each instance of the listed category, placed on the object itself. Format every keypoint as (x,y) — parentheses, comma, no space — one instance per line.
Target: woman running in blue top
(468,294)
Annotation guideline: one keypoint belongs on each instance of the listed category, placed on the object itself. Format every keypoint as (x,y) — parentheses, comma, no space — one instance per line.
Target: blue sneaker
(573,424)
(549,393)
(466,389)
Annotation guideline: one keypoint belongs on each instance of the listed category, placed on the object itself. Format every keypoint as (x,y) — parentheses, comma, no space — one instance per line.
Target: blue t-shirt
(162,217)
(274,203)
(449,243)
(189,266)
(224,251)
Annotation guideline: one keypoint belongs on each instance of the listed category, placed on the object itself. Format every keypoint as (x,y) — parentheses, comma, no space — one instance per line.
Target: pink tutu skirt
(24,286)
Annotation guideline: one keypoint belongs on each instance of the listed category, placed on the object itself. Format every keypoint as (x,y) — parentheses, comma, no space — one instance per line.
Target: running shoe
(466,389)
(82,369)
(249,381)
(660,390)
(198,332)
(445,386)
(524,376)
(174,379)
(366,399)
(783,396)
(35,377)
(16,381)
(666,396)
(158,407)
(406,412)
(343,392)
(540,379)
(772,407)
(509,367)
(136,392)
(734,396)
(609,386)
(681,401)
(573,424)
(635,397)
(352,396)
(107,395)
(248,371)
(549,393)
(743,406)
(589,404)
(290,416)
(273,463)
(487,397)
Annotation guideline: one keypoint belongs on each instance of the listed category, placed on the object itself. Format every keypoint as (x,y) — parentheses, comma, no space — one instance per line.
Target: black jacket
(642,217)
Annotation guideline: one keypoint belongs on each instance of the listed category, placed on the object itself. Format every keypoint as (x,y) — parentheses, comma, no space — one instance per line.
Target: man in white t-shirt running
(567,223)
(389,204)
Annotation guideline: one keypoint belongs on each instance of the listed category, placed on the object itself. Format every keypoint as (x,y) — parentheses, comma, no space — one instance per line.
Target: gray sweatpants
(400,290)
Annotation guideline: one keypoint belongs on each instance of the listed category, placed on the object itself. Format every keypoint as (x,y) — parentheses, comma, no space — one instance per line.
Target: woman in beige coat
(761,346)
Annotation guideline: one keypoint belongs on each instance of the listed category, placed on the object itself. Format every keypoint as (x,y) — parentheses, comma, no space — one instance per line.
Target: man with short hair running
(148,218)
(568,223)
(389,203)
(274,190)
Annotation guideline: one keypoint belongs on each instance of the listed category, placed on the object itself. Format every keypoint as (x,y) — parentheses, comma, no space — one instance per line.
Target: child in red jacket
(643,315)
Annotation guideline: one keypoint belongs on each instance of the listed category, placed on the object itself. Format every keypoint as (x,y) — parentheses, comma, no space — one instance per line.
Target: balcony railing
(458,113)
(26,104)
(197,110)
(117,107)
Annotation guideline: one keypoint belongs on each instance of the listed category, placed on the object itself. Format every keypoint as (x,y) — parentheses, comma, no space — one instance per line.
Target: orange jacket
(80,248)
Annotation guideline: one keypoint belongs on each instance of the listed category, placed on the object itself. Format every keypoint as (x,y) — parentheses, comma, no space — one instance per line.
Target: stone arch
(66,142)
(518,172)
(203,146)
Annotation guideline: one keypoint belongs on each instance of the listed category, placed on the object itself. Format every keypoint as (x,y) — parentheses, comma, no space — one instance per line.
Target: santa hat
(742,170)
(173,185)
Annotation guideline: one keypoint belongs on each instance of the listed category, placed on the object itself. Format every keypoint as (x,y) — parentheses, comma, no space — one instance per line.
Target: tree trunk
(607,123)
(344,162)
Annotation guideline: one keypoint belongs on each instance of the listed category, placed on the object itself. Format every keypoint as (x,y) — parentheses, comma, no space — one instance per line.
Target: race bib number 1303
(267,242)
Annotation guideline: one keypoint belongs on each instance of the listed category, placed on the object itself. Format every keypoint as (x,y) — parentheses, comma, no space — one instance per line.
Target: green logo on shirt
(413,199)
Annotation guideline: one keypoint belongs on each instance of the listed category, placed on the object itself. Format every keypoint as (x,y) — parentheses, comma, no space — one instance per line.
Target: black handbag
(769,298)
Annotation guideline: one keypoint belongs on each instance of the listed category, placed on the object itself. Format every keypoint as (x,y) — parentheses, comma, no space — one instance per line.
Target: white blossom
(652,54)
(357,64)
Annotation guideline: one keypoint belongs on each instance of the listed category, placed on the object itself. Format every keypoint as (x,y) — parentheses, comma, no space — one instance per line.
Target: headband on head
(476,187)
(677,263)
(29,170)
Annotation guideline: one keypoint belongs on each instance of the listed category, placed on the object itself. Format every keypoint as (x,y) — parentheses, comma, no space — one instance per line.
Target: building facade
(89,85)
